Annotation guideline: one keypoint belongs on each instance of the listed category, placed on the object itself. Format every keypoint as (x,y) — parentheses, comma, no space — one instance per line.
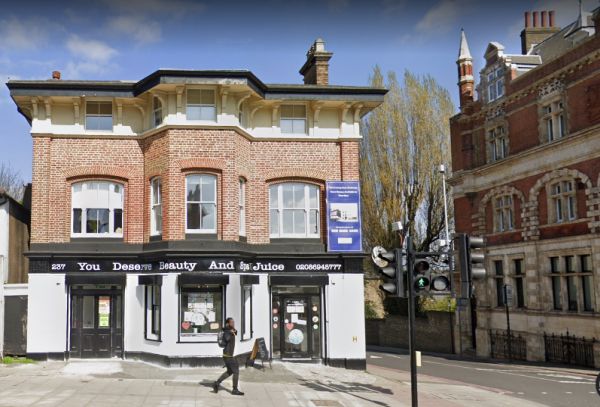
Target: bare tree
(405,140)
(12,182)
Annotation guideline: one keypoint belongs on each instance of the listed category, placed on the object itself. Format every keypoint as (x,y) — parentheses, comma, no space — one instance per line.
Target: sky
(129,39)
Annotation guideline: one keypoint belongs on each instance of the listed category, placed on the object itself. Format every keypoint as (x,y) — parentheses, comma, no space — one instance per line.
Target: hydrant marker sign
(343,216)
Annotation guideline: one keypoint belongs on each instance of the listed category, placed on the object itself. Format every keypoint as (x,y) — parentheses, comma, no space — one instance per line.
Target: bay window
(156,207)
(201,203)
(294,210)
(98,116)
(97,209)
(242,208)
(201,104)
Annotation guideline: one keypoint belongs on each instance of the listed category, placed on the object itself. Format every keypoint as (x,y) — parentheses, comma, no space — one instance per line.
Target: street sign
(508,295)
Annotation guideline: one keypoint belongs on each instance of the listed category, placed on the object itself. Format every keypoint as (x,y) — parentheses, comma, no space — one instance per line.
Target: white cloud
(90,50)
(440,17)
(140,29)
(91,57)
(24,34)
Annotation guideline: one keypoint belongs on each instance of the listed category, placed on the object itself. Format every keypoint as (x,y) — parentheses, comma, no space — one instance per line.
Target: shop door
(96,324)
(296,336)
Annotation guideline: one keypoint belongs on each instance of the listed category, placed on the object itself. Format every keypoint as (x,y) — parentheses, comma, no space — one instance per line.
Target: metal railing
(501,349)
(569,349)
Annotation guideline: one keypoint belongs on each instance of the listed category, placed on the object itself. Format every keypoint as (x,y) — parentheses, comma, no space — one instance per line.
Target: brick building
(162,206)
(526,162)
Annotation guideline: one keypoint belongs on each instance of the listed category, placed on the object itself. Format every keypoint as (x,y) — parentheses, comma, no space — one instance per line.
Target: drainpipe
(3,201)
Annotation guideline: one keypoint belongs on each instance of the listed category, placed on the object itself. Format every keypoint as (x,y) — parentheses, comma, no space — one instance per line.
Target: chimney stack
(316,68)
(56,75)
(537,29)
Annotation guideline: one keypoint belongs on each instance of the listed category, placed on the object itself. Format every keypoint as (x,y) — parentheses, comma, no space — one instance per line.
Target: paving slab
(116,383)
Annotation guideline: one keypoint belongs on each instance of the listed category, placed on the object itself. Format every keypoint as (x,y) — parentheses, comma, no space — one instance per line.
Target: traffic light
(440,275)
(421,275)
(471,259)
(393,268)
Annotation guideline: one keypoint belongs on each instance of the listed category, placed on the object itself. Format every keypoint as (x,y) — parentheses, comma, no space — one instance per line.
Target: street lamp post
(442,169)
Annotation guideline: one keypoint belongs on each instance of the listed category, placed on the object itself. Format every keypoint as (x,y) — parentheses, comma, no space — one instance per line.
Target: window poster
(103,312)
(200,312)
(343,216)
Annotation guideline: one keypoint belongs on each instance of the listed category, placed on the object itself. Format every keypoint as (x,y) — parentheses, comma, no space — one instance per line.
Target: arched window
(503,214)
(157,110)
(201,203)
(294,210)
(562,203)
(97,209)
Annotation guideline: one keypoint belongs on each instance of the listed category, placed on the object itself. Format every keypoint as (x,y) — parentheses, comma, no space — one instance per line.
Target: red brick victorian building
(526,175)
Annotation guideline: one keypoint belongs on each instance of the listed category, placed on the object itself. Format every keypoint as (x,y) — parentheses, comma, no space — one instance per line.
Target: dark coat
(229,338)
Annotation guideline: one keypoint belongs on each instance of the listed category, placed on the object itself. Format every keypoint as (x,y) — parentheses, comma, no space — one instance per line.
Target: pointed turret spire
(464,52)
(466,82)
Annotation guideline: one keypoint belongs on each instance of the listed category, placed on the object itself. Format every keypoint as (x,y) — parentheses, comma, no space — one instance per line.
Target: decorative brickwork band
(87,171)
(306,173)
(531,212)
(201,163)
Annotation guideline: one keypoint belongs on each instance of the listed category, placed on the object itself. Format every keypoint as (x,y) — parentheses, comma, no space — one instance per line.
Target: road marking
(568,392)
(520,392)
(544,392)
(375,357)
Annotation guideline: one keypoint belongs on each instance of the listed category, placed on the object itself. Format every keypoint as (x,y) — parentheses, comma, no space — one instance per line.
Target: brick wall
(172,154)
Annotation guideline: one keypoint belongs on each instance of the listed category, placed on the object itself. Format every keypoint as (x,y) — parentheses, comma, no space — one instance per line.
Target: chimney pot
(551,18)
(56,75)
(527,19)
(535,18)
(544,17)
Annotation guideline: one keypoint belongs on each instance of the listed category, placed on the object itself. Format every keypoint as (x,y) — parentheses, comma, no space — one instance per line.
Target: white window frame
(157,111)
(153,299)
(155,206)
(553,119)
(202,202)
(242,207)
(293,119)
(308,209)
(495,83)
(112,207)
(201,105)
(88,114)
(563,201)
(246,312)
(498,143)
(504,213)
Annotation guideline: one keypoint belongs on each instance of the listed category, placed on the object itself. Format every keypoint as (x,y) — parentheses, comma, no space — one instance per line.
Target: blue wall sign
(344,232)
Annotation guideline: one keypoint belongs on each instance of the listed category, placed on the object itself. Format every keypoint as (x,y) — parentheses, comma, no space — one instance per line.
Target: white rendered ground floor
(163,315)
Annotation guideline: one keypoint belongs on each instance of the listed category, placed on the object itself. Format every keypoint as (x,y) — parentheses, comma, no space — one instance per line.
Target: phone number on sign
(318,267)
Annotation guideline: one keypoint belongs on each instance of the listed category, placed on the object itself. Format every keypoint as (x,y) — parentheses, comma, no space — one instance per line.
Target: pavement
(547,385)
(117,382)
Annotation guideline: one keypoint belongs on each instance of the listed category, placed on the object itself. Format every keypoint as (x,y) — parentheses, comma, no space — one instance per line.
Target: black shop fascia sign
(187,265)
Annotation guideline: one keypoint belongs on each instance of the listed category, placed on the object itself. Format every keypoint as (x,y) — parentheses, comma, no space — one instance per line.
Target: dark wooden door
(96,324)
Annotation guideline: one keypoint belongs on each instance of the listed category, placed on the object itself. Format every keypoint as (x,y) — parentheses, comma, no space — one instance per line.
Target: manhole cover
(327,403)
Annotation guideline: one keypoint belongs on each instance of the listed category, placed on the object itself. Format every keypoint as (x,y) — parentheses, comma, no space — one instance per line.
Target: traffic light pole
(411,322)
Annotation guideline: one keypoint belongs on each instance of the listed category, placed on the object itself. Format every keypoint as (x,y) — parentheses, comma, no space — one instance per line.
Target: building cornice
(239,130)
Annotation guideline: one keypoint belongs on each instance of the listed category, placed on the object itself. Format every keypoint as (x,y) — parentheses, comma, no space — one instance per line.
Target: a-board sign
(259,348)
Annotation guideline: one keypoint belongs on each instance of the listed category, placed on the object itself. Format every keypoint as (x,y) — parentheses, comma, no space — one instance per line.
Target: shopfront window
(152,299)
(246,312)
(201,312)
